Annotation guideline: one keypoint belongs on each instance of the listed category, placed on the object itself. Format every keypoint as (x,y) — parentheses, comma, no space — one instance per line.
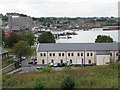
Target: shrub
(48,70)
(68,83)
(39,85)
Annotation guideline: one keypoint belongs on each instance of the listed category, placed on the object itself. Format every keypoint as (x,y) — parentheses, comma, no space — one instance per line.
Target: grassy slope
(85,77)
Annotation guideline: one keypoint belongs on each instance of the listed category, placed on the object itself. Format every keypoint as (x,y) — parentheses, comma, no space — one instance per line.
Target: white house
(77,53)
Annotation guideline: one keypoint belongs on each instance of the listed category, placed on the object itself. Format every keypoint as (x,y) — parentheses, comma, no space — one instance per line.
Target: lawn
(84,77)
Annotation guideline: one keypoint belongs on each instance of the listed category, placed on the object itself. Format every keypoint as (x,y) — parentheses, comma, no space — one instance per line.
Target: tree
(29,38)
(46,37)
(103,39)
(12,39)
(22,48)
(68,83)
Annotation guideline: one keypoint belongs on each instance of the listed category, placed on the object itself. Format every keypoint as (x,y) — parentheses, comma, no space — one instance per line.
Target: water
(89,36)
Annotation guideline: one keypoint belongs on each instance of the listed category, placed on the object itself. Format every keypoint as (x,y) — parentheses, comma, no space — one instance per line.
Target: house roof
(76,46)
(3,51)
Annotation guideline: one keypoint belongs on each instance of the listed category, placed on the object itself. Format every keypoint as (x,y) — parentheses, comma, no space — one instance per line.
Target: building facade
(77,53)
(19,23)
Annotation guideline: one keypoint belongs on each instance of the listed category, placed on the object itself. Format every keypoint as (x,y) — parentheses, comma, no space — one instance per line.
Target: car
(32,62)
(23,58)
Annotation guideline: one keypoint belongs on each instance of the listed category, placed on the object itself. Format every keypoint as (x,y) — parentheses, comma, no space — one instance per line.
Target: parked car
(23,58)
(32,62)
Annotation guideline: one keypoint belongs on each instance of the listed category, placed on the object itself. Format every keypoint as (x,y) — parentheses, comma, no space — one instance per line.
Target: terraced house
(77,53)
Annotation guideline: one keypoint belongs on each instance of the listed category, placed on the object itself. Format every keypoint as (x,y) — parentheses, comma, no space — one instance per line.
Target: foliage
(22,49)
(46,37)
(103,39)
(84,77)
(47,70)
(68,83)
(29,38)
(39,85)
(12,39)
(16,64)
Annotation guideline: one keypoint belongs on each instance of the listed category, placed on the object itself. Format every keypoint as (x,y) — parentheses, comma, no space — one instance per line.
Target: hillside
(84,77)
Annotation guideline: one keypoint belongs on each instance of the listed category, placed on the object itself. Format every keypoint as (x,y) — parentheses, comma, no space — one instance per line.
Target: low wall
(8,68)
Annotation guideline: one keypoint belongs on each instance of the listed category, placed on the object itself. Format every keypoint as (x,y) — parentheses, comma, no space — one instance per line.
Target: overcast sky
(61,8)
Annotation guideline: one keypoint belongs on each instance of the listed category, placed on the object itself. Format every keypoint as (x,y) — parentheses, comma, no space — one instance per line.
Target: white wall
(102,59)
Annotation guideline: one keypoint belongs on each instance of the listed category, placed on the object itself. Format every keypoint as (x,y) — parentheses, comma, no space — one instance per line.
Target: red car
(32,62)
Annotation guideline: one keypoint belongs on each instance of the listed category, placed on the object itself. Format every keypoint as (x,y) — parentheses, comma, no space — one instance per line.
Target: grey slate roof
(77,46)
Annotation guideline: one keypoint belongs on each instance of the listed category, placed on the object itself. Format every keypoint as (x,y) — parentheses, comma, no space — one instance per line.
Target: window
(43,62)
(62,54)
(68,54)
(116,54)
(72,54)
(87,54)
(59,54)
(89,61)
(53,54)
(50,54)
(78,54)
(61,61)
(41,54)
(70,61)
(91,54)
(81,54)
(44,54)
(110,54)
(52,61)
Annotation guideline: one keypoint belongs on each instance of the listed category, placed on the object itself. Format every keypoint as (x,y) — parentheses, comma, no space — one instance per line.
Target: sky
(61,8)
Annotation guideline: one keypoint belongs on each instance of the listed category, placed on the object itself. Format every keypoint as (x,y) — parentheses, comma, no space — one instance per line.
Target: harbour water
(89,36)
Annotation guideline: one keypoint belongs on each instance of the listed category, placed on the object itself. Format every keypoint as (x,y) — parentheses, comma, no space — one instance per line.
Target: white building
(77,53)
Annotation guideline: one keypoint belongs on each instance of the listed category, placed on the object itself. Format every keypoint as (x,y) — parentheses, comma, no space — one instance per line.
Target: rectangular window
(72,54)
(91,54)
(43,62)
(59,54)
(87,54)
(52,61)
(81,54)
(40,54)
(78,54)
(62,54)
(110,54)
(50,54)
(116,54)
(61,61)
(53,54)
(44,54)
(68,54)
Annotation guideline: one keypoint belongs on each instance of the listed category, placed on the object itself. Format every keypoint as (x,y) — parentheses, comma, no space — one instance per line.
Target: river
(88,36)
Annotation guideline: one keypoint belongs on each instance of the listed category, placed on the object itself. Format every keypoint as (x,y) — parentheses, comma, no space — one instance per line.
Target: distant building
(16,22)
(4,54)
(77,53)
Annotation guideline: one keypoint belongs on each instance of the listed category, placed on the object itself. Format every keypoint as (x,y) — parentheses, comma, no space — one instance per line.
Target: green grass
(7,62)
(85,77)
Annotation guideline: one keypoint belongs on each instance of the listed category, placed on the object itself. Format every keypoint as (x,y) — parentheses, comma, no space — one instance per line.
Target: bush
(48,70)
(39,85)
(68,83)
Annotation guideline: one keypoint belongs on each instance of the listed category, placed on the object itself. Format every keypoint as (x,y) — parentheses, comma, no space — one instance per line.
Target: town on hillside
(35,49)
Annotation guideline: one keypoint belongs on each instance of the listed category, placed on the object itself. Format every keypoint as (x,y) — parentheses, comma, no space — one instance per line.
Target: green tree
(68,83)
(46,37)
(12,39)
(103,39)
(22,48)
(29,38)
